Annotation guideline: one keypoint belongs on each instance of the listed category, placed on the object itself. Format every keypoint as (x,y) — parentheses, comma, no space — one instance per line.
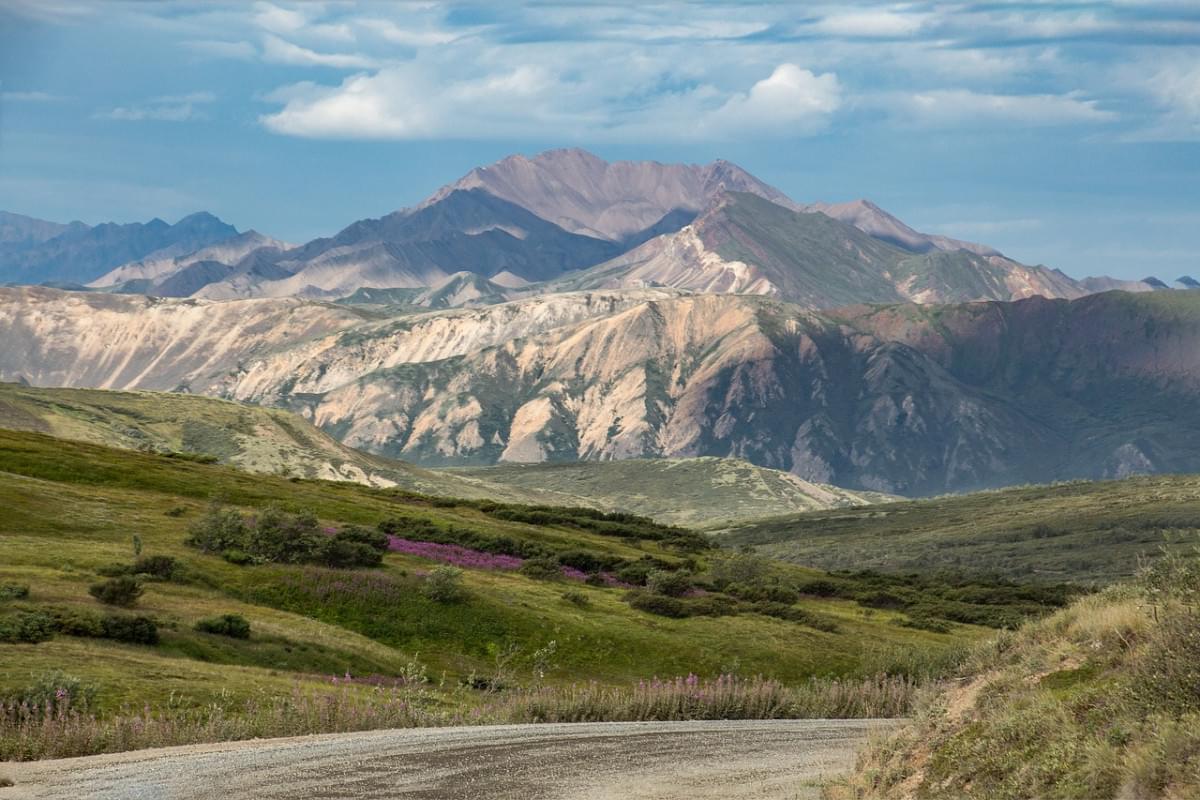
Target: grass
(702,491)
(1085,531)
(1101,700)
(72,510)
(699,492)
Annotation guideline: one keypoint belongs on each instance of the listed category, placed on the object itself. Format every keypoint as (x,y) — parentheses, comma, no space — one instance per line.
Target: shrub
(28,627)
(162,567)
(13,591)
(660,604)
(239,557)
(77,622)
(595,579)
(819,587)
(221,528)
(746,568)
(344,554)
(176,511)
(576,598)
(133,630)
(285,538)
(444,584)
(542,569)
(234,626)
(671,584)
(123,591)
(585,561)
(376,540)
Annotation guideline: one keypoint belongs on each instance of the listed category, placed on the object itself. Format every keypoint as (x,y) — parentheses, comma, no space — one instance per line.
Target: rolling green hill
(77,514)
(253,438)
(1082,531)
(699,492)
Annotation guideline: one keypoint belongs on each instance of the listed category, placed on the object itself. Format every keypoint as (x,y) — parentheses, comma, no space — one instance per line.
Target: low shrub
(542,569)
(122,591)
(131,630)
(176,511)
(660,604)
(13,591)
(444,584)
(346,553)
(235,626)
(27,627)
(77,622)
(793,614)
(239,557)
(161,567)
(671,584)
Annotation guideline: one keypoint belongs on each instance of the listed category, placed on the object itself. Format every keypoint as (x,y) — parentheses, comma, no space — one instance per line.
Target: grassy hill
(1082,531)
(698,492)
(1097,702)
(519,616)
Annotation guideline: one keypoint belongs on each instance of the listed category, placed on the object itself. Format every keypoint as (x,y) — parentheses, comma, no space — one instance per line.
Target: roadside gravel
(596,761)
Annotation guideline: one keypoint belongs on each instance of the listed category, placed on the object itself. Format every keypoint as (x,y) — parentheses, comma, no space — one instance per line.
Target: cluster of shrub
(541,561)
(606,523)
(932,601)
(280,537)
(32,627)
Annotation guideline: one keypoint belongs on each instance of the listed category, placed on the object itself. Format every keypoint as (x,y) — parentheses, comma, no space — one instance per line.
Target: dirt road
(604,761)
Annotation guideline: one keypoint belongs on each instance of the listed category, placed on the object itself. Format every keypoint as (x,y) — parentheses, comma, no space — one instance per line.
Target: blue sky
(1064,133)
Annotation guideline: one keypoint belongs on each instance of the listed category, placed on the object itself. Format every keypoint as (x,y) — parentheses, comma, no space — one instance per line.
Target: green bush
(671,584)
(77,622)
(132,630)
(376,540)
(280,537)
(161,567)
(344,554)
(239,557)
(122,591)
(542,569)
(444,584)
(221,528)
(234,626)
(660,604)
(13,591)
(27,627)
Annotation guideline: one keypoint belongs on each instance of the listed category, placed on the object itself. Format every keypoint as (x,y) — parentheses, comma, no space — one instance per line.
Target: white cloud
(871,24)
(300,21)
(960,106)
(168,108)
(283,52)
(791,100)
(1175,90)
(417,101)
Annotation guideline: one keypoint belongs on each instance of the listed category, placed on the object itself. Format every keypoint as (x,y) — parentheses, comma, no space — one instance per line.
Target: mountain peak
(584,194)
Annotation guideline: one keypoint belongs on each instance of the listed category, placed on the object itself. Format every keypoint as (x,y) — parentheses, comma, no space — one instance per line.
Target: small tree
(121,591)
(221,528)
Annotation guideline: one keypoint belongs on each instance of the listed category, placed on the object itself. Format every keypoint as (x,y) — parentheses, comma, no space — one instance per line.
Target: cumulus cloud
(168,108)
(411,101)
(942,107)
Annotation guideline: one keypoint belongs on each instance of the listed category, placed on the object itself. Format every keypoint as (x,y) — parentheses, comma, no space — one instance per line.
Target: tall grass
(57,730)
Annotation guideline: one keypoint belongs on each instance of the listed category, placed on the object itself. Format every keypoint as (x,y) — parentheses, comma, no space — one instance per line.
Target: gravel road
(601,761)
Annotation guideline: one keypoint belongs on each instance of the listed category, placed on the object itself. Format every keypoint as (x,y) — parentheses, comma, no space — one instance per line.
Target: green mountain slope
(698,492)
(1097,702)
(253,438)
(1084,531)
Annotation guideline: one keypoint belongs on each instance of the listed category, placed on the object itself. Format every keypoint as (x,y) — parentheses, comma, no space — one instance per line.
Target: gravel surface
(600,761)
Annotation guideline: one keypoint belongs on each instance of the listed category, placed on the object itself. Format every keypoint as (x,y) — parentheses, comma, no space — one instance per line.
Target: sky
(1062,133)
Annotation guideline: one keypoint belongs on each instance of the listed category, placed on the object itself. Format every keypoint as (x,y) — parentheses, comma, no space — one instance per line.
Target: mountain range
(558,221)
(562,308)
(903,398)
